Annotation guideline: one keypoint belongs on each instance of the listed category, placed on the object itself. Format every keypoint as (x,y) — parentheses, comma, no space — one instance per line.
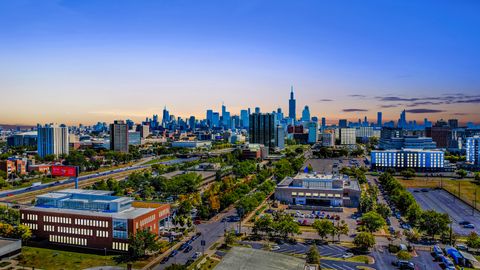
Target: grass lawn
(57,259)
(468,187)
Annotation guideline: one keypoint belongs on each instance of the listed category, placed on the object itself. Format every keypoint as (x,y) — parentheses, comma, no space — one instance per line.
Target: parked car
(173,253)
(462,247)
(275,247)
(347,255)
(469,226)
(448,263)
(465,222)
(404,265)
(196,255)
(164,260)
(188,249)
(437,252)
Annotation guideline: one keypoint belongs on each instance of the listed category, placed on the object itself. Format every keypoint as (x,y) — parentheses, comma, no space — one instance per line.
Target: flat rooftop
(129,213)
(240,258)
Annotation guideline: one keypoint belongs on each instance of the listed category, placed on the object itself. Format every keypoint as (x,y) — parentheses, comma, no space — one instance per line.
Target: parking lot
(444,202)
(326,165)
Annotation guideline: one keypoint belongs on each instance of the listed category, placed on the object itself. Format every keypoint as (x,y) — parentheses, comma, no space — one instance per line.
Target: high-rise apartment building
(262,129)
(119,136)
(312,132)
(292,106)
(52,140)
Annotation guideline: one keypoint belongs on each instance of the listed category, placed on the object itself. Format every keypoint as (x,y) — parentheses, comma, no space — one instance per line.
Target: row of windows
(147,220)
(80,231)
(54,219)
(68,240)
(31,217)
(91,222)
(32,226)
(120,246)
(48,228)
(102,234)
(330,195)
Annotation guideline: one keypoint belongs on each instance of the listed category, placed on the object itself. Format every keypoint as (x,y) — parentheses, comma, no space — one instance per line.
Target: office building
(328,138)
(319,190)
(244,118)
(306,114)
(402,122)
(342,123)
(52,140)
(324,123)
(262,129)
(417,159)
(410,142)
(292,106)
(165,116)
(347,136)
(453,123)
(192,144)
(439,134)
(209,117)
(23,139)
(92,218)
(134,137)
(364,132)
(119,136)
(144,130)
(192,123)
(215,119)
(473,150)
(312,132)
(379,119)
(280,137)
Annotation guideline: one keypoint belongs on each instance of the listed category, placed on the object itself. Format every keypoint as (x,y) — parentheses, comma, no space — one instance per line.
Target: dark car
(404,265)
(164,260)
(424,190)
(175,252)
(190,261)
(188,249)
(465,222)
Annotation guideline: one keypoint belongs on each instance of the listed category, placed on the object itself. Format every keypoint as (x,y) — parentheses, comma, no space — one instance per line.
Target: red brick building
(92,218)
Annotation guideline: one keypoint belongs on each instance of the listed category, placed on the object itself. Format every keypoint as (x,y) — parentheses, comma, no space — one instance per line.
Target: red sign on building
(69,171)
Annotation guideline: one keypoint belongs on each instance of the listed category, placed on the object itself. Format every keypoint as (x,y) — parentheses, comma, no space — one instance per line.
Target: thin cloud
(325,100)
(389,106)
(424,111)
(357,96)
(355,110)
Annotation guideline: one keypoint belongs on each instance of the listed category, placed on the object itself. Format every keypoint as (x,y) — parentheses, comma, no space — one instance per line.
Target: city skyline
(82,62)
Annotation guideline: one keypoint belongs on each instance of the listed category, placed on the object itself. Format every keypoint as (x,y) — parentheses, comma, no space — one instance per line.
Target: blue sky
(85,61)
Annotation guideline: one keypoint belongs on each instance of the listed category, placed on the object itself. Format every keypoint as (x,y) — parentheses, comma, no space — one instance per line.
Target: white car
(274,248)
(347,255)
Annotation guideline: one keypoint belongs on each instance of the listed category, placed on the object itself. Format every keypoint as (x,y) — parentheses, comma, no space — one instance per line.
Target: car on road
(173,253)
(275,247)
(404,265)
(196,255)
(188,249)
(469,226)
(164,260)
(183,246)
(347,255)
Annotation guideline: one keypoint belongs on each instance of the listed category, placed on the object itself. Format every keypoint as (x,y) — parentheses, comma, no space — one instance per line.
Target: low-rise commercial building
(323,190)
(92,218)
(192,144)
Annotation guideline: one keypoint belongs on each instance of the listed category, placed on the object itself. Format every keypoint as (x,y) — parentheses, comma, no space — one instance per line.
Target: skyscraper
(279,114)
(402,122)
(52,140)
(306,114)
(257,109)
(209,117)
(215,119)
(292,106)
(262,129)
(244,118)
(165,116)
(453,123)
(191,122)
(324,122)
(119,136)
(342,123)
(379,119)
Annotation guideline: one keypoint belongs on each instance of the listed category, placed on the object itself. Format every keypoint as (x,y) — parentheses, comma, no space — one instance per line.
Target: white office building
(417,159)
(52,140)
(347,136)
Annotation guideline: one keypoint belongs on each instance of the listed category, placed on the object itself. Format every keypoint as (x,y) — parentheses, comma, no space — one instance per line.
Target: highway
(20,191)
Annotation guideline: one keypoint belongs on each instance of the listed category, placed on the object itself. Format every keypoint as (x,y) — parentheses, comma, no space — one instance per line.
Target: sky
(86,61)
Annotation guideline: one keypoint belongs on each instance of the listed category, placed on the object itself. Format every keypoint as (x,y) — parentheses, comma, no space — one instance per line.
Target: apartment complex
(92,218)
(52,140)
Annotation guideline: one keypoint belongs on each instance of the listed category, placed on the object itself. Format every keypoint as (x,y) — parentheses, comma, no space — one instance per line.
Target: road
(211,232)
(9,193)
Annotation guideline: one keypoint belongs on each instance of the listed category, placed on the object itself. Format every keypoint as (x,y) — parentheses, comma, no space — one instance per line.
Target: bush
(404,255)
(393,248)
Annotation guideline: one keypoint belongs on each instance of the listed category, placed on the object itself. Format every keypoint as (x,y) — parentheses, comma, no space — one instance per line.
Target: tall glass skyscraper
(306,114)
(292,106)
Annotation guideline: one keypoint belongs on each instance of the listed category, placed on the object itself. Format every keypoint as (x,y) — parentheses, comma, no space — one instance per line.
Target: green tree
(313,256)
(461,173)
(413,236)
(323,227)
(230,238)
(263,224)
(341,229)
(373,221)
(413,213)
(473,240)
(142,242)
(433,223)
(284,225)
(364,241)
(408,173)
(383,210)
(477,176)
(22,232)
(176,267)
(404,255)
